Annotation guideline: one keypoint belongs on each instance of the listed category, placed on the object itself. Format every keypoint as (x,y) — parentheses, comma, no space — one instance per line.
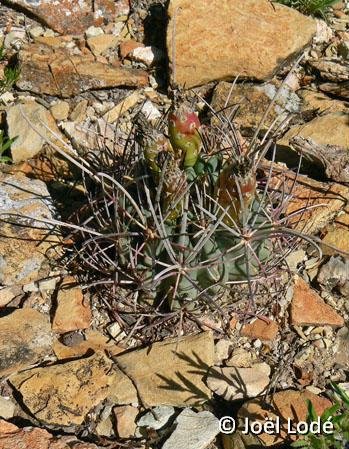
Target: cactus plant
(182,219)
(181,215)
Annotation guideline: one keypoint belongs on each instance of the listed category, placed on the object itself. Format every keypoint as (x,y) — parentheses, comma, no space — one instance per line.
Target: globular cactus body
(185,258)
(189,219)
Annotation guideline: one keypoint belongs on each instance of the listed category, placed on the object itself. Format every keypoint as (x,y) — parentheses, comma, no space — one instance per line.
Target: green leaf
(5,159)
(7,145)
(300,443)
(341,393)
(320,442)
(312,415)
(337,420)
(330,411)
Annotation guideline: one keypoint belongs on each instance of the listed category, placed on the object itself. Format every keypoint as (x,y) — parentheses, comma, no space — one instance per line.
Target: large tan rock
(222,39)
(171,372)
(63,74)
(166,373)
(330,129)
(25,339)
(312,204)
(308,308)
(31,125)
(63,394)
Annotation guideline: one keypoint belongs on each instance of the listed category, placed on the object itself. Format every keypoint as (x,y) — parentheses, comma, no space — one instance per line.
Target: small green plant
(311,7)
(5,144)
(10,75)
(339,415)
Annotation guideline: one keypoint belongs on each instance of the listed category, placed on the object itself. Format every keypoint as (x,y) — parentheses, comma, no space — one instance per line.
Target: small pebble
(93,31)
(36,31)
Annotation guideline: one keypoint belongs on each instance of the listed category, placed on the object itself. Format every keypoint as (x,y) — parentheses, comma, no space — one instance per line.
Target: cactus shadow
(197,367)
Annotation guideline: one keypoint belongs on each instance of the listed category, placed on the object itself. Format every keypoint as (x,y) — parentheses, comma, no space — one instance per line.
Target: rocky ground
(74,374)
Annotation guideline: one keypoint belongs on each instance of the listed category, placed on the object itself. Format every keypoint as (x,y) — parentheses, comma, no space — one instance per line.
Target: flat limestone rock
(239,383)
(171,372)
(63,394)
(57,72)
(23,247)
(95,341)
(21,120)
(25,339)
(193,430)
(309,309)
(13,437)
(329,129)
(68,16)
(222,39)
(73,312)
(313,204)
